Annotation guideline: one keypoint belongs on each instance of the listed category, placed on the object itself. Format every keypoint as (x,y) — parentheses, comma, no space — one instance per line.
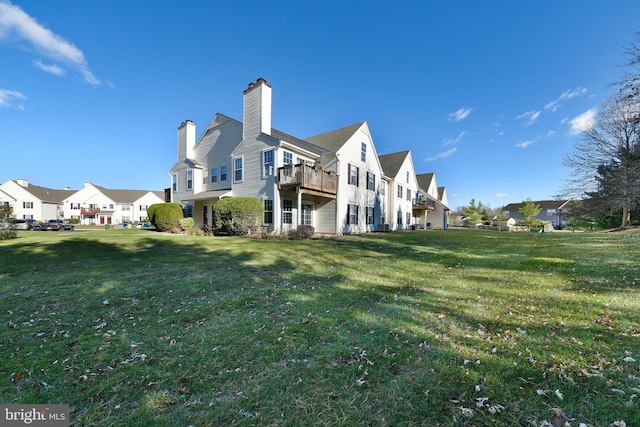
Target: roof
(297,142)
(542,204)
(391,163)
(127,196)
(48,194)
(208,195)
(424,180)
(335,139)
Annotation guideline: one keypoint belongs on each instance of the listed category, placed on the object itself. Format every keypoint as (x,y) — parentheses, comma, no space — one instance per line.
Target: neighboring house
(403,188)
(431,204)
(550,211)
(94,205)
(29,201)
(331,181)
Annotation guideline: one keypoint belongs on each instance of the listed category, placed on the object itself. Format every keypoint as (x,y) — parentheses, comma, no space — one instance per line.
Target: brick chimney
(186,140)
(257,109)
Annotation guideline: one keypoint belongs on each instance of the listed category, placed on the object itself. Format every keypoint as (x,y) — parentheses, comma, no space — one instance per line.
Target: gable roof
(542,204)
(333,140)
(127,196)
(391,163)
(48,194)
(424,180)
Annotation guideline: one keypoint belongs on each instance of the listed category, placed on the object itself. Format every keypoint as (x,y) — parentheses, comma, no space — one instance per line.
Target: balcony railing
(424,203)
(89,211)
(306,177)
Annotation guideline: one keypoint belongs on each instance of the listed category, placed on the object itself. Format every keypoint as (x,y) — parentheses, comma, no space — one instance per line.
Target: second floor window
(399,191)
(237,169)
(363,152)
(214,175)
(27,205)
(174,182)
(189,180)
(223,173)
(267,163)
(287,157)
(75,205)
(371,181)
(353,174)
(408,194)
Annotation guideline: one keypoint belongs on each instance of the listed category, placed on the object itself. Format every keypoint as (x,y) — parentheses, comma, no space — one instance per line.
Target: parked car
(57,225)
(24,224)
(146,226)
(3,225)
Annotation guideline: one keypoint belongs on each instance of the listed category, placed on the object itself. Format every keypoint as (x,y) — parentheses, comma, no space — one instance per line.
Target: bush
(8,234)
(304,232)
(165,216)
(187,225)
(237,216)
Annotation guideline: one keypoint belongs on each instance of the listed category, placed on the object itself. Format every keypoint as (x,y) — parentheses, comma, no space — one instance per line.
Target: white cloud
(8,96)
(459,115)
(442,155)
(525,144)
(564,96)
(500,195)
(583,122)
(15,22)
(457,139)
(53,68)
(531,116)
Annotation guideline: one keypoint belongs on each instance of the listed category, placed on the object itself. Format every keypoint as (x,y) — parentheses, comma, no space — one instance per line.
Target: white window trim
(235,170)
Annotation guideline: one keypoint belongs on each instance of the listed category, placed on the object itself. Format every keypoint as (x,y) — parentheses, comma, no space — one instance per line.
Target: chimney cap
(258,81)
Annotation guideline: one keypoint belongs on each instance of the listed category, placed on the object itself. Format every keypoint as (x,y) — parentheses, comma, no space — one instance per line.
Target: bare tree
(606,161)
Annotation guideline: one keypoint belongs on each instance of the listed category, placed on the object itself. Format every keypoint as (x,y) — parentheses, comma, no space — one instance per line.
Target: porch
(308,180)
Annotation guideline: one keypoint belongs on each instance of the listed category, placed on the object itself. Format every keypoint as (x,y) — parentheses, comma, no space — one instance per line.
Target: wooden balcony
(89,211)
(424,204)
(307,179)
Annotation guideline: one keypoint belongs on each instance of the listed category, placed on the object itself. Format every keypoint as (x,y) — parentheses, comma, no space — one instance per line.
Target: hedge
(237,215)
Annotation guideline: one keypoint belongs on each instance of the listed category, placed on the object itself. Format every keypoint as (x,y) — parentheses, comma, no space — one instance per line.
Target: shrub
(8,234)
(303,232)
(237,216)
(165,216)
(187,225)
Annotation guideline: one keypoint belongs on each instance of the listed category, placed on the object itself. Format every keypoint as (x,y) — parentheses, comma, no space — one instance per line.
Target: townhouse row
(91,205)
(335,182)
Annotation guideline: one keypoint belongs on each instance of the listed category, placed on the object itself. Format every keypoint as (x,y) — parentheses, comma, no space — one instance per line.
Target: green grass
(416,328)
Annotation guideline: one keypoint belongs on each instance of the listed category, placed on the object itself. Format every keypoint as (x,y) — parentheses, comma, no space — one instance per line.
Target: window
(204,176)
(408,218)
(408,194)
(353,174)
(268,212)
(143,208)
(363,152)
(75,205)
(407,177)
(267,163)
(399,191)
(399,217)
(223,173)
(126,207)
(111,206)
(126,219)
(205,215)
(382,187)
(287,157)
(214,175)
(307,210)
(287,211)
(370,215)
(237,169)
(371,181)
(551,212)
(174,182)
(190,180)
(352,214)
(27,205)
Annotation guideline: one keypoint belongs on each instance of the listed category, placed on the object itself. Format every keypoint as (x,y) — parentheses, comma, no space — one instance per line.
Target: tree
(237,215)
(474,214)
(529,210)
(165,216)
(500,218)
(606,161)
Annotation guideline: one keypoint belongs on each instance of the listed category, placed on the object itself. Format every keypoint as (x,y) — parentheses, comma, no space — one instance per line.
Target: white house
(28,201)
(398,167)
(332,181)
(94,205)
(432,203)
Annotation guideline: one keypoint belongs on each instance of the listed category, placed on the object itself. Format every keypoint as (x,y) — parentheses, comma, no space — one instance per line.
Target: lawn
(438,328)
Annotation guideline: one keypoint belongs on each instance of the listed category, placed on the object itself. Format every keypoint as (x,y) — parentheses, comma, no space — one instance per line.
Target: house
(28,201)
(398,168)
(332,182)
(550,211)
(93,205)
(431,203)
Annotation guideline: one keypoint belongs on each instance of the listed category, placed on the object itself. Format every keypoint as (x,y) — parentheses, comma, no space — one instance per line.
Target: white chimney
(22,182)
(257,109)
(186,140)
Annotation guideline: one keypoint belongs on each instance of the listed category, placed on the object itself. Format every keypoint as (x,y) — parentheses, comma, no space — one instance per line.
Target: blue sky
(488,95)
